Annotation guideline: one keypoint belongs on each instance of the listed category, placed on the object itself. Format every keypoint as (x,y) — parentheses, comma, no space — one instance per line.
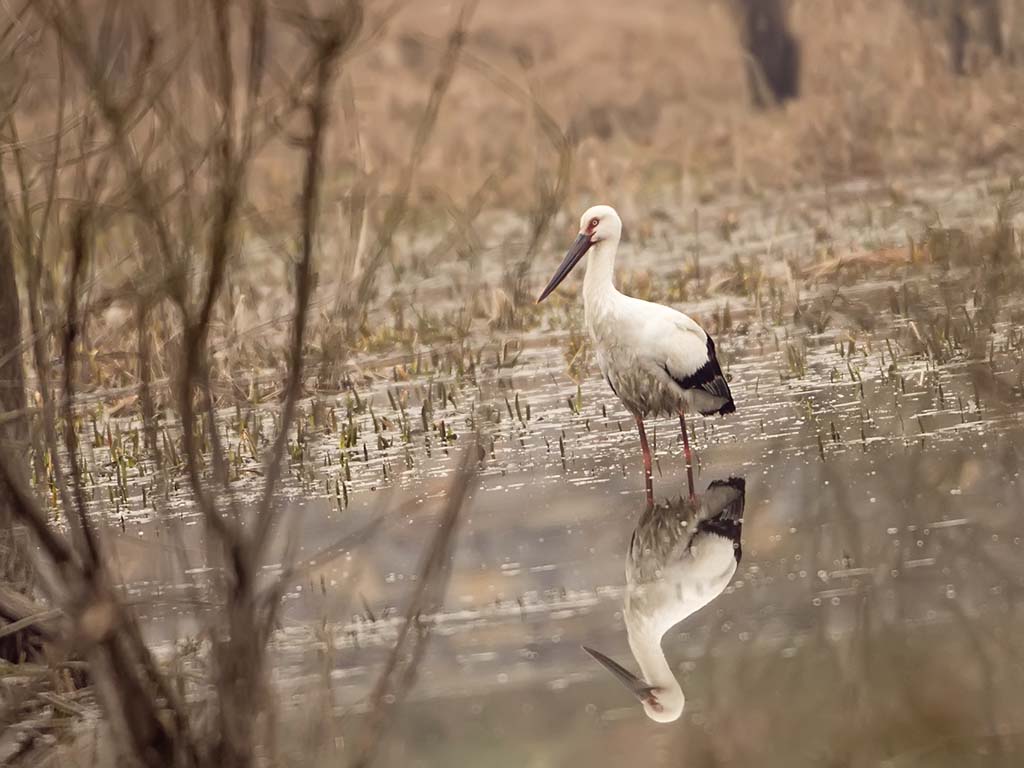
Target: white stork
(681,557)
(657,360)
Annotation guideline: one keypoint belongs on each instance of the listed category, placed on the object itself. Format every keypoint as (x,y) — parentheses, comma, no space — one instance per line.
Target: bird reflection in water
(681,557)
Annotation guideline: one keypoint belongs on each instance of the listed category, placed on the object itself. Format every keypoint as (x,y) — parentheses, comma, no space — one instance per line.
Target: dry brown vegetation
(658,97)
(140,159)
(531,111)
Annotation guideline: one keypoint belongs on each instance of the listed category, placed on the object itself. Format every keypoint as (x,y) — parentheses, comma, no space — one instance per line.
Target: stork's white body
(667,581)
(643,348)
(656,359)
(692,577)
(680,558)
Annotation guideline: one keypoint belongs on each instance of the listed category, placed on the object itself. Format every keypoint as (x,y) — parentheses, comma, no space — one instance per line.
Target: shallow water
(874,612)
(873,618)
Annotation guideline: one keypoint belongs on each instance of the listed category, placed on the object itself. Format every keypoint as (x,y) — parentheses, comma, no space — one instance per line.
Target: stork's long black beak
(638,687)
(572,258)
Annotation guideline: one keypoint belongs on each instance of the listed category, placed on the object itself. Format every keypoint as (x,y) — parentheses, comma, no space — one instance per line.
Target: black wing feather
(708,377)
(728,521)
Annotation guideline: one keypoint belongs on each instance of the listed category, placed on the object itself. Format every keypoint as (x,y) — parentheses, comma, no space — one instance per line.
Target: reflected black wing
(724,501)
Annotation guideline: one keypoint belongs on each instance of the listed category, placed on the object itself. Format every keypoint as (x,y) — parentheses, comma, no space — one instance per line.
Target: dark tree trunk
(973,20)
(957,33)
(966,25)
(773,54)
(992,27)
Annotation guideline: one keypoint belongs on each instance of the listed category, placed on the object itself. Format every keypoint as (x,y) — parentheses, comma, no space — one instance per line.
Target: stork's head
(599,223)
(663,703)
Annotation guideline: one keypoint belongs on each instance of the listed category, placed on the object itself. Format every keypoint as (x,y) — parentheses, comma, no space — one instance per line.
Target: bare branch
(34,270)
(402,665)
(79,254)
(67,21)
(399,200)
(340,32)
(27,510)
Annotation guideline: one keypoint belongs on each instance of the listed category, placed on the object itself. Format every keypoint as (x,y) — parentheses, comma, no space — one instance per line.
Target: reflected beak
(643,691)
(572,258)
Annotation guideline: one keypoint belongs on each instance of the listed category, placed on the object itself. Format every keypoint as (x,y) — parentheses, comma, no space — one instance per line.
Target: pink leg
(648,475)
(686,451)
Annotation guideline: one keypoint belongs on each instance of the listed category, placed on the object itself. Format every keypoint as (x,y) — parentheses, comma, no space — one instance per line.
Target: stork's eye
(594,223)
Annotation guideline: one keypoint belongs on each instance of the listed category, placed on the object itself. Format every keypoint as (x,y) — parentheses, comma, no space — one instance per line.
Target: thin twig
(400,671)
(355,307)
(331,45)
(79,254)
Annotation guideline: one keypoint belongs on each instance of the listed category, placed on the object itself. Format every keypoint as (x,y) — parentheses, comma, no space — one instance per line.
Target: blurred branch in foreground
(187,233)
(352,304)
(400,672)
(21,637)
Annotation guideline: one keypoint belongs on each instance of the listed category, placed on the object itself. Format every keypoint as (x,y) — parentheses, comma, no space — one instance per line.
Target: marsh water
(875,614)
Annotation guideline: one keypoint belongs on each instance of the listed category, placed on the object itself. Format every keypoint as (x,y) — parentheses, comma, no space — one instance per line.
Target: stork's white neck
(645,643)
(598,284)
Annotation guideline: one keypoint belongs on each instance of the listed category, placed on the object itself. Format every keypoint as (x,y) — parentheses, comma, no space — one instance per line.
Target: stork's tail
(719,387)
(715,384)
(724,501)
(706,388)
